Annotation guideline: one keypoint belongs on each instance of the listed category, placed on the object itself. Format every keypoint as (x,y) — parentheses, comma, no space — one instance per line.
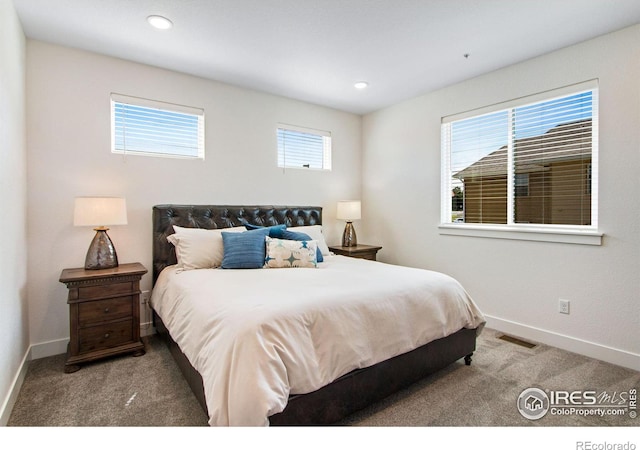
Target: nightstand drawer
(105,336)
(104,310)
(107,290)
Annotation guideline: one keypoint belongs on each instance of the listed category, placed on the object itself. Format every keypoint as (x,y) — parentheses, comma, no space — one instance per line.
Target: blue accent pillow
(275,231)
(299,236)
(244,250)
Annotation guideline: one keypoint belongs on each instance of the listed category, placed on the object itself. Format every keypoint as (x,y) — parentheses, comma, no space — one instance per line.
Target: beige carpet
(150,391)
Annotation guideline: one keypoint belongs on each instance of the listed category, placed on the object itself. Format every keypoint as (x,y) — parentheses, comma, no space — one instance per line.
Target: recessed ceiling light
(159,22)
(361,85)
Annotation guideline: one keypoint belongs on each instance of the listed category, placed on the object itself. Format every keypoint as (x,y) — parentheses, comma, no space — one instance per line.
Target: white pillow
(284,253)
(198,248)
(315,233)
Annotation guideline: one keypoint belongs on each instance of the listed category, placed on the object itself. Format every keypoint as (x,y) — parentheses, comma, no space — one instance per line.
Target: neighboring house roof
(565,142)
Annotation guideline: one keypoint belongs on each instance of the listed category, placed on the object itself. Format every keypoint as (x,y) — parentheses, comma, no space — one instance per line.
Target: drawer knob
(106,310)
(106,335)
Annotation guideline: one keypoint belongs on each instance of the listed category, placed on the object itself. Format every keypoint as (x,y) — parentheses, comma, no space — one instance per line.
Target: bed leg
(467,359)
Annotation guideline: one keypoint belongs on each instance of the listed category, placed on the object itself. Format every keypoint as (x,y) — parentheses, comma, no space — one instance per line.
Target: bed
(298,346)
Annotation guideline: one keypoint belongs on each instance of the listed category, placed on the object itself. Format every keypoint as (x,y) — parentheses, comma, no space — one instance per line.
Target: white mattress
(257,336)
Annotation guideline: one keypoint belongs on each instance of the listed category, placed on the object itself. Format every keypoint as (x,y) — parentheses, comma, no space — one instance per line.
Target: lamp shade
(100,211)
(348,210)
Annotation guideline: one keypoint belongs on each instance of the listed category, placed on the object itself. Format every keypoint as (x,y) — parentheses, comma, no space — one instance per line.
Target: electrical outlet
(563,306)
(146,325)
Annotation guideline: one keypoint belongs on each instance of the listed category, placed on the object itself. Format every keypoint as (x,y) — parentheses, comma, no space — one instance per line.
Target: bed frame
(348,393)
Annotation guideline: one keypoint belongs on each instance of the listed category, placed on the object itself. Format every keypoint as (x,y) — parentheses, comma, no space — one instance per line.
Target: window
(147,127)
(303,148)
(529,162)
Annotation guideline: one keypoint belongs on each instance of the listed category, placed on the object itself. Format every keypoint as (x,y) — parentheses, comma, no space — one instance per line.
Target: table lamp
(100,212)
(349,210)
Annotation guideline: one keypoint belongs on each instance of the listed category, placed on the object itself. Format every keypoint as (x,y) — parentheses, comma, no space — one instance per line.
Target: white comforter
(257,336)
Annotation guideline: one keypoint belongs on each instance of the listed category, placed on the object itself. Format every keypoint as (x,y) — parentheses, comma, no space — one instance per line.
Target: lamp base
(349,238)
(101,253)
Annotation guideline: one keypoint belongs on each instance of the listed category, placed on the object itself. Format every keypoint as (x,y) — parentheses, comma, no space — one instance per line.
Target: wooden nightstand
(359,251)
(104,313)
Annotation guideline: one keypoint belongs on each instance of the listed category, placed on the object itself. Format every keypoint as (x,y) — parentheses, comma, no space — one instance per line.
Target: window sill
(561,235)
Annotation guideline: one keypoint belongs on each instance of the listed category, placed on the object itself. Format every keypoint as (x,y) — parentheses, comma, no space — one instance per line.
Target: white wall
(13,203)
(68,126)
(516,283)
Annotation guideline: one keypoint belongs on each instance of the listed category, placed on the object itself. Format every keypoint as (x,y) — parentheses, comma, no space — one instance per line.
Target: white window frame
(573,234)
(281,156)
(155,147)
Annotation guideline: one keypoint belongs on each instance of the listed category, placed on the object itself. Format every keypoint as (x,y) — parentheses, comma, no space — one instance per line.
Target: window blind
(303,148)
(148,127)
(530,163)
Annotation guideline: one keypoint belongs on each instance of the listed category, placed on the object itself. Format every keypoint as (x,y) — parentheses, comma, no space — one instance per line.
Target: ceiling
(315,50)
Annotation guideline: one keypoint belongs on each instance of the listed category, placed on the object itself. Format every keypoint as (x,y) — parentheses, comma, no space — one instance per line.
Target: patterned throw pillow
(282,253)
(295,236)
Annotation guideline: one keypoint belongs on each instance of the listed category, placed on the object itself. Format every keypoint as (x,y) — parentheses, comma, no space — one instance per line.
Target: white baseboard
(49,348)
(12,396)
(571,344)
(146,329)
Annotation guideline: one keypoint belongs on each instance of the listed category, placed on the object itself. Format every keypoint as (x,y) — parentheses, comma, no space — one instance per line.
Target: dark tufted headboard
(220,216)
